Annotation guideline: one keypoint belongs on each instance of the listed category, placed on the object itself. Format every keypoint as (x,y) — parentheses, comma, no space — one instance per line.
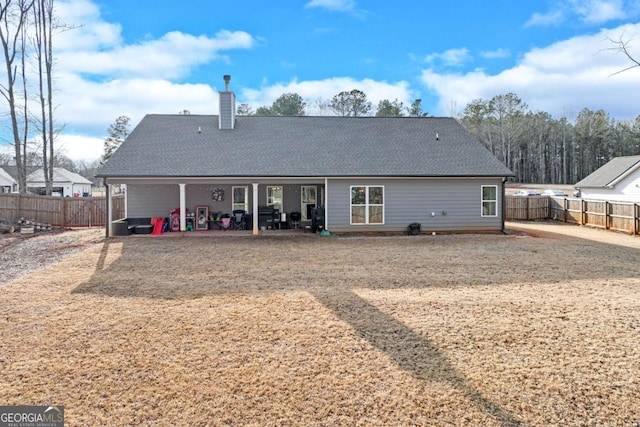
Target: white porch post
(109,210)
(183,203)
(255,208)
(326,204)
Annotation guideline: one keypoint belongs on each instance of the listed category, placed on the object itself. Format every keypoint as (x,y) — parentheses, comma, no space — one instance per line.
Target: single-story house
(616,181)
(366,174)
(65,183)
(7,183)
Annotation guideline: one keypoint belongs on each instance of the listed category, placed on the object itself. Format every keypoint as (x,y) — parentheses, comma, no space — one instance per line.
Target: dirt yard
(534,328)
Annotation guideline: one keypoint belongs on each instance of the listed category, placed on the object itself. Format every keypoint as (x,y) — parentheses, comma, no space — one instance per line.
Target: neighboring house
(7,183)
(369,174)
(616,181)
(12,171)
(65,183)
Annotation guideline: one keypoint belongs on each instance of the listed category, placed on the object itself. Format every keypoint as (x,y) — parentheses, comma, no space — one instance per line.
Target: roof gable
(6,178)
(611,173)
(59,175)
(193,146)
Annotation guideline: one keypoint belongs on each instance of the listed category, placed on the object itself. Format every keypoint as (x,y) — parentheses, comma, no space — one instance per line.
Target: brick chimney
(227,116)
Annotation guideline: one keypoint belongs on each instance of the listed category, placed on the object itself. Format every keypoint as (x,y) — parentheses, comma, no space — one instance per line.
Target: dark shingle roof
(171,145)
(610,172)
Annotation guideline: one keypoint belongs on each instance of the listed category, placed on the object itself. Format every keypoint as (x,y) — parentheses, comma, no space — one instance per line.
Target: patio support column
(109,201)
(255,208)
(326,203)
(183,203)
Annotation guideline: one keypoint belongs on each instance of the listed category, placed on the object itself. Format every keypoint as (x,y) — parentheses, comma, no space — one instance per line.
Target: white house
(616,181)
(65,183)
(7,183)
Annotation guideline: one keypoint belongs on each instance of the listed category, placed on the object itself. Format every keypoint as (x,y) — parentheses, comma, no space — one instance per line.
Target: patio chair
(215,221)
(238,219)
(225,223)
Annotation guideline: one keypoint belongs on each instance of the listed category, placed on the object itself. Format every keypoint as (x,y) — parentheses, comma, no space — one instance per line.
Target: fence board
(618,216)
(527,208)
(60,211)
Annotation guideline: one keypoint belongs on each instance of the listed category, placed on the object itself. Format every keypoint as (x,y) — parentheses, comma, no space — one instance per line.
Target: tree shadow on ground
(411,352)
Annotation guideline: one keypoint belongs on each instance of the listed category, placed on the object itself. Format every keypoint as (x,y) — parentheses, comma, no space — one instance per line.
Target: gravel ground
(21,254)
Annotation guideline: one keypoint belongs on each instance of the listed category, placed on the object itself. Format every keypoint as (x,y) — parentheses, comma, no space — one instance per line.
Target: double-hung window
(274,196)
(240,199)
(489,200)
(367,204)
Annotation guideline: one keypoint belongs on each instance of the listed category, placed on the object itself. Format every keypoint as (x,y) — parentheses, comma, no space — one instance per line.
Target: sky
(124,57)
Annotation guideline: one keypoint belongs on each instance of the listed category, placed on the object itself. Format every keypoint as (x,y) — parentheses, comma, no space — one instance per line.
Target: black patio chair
(238,219)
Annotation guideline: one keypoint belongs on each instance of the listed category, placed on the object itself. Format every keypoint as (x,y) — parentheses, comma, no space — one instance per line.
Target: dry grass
(428,330)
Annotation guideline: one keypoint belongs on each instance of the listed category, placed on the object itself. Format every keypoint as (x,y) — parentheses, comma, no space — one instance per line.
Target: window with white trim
(367,204)
(489,200)
(240,200)
(274,196)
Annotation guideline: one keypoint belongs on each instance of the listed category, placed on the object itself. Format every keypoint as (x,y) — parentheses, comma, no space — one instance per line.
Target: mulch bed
(401,330)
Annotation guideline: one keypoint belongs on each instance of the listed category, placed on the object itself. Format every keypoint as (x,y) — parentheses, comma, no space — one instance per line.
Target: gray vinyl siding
(149,200)
(152,200)
(455,203)
(227,110)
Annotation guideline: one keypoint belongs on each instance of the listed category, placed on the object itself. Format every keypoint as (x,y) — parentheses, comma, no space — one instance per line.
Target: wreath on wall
(217,195)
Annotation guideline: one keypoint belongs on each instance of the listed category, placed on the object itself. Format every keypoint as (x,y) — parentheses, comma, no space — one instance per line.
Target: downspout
(504,204)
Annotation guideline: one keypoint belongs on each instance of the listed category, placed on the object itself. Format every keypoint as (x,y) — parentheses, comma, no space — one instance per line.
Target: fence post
(607,211)
(635,219)
(565,205)
(582,211)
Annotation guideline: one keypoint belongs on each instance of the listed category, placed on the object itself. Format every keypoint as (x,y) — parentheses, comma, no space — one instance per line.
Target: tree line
(541,149)
(535,146)
(353,103)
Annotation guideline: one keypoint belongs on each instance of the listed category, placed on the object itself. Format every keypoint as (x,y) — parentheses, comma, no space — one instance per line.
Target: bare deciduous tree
(622,46)
(14,18)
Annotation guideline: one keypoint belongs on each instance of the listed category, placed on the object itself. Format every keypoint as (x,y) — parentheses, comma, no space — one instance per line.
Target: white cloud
(592,12)
(171,56)
(496,54)
(552,17)
(599,11)
(451,57)
(315,90)
(79,147)
(130,97)
(560,79)
(86,29)
(338,5)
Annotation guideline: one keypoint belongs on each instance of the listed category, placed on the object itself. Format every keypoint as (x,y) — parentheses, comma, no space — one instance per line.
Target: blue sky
(137,57)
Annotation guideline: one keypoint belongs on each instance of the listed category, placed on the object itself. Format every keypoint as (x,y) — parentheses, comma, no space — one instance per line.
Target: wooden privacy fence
(618,216)
(60,211)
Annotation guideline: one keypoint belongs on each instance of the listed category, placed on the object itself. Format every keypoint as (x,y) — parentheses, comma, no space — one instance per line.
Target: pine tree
(118,132)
